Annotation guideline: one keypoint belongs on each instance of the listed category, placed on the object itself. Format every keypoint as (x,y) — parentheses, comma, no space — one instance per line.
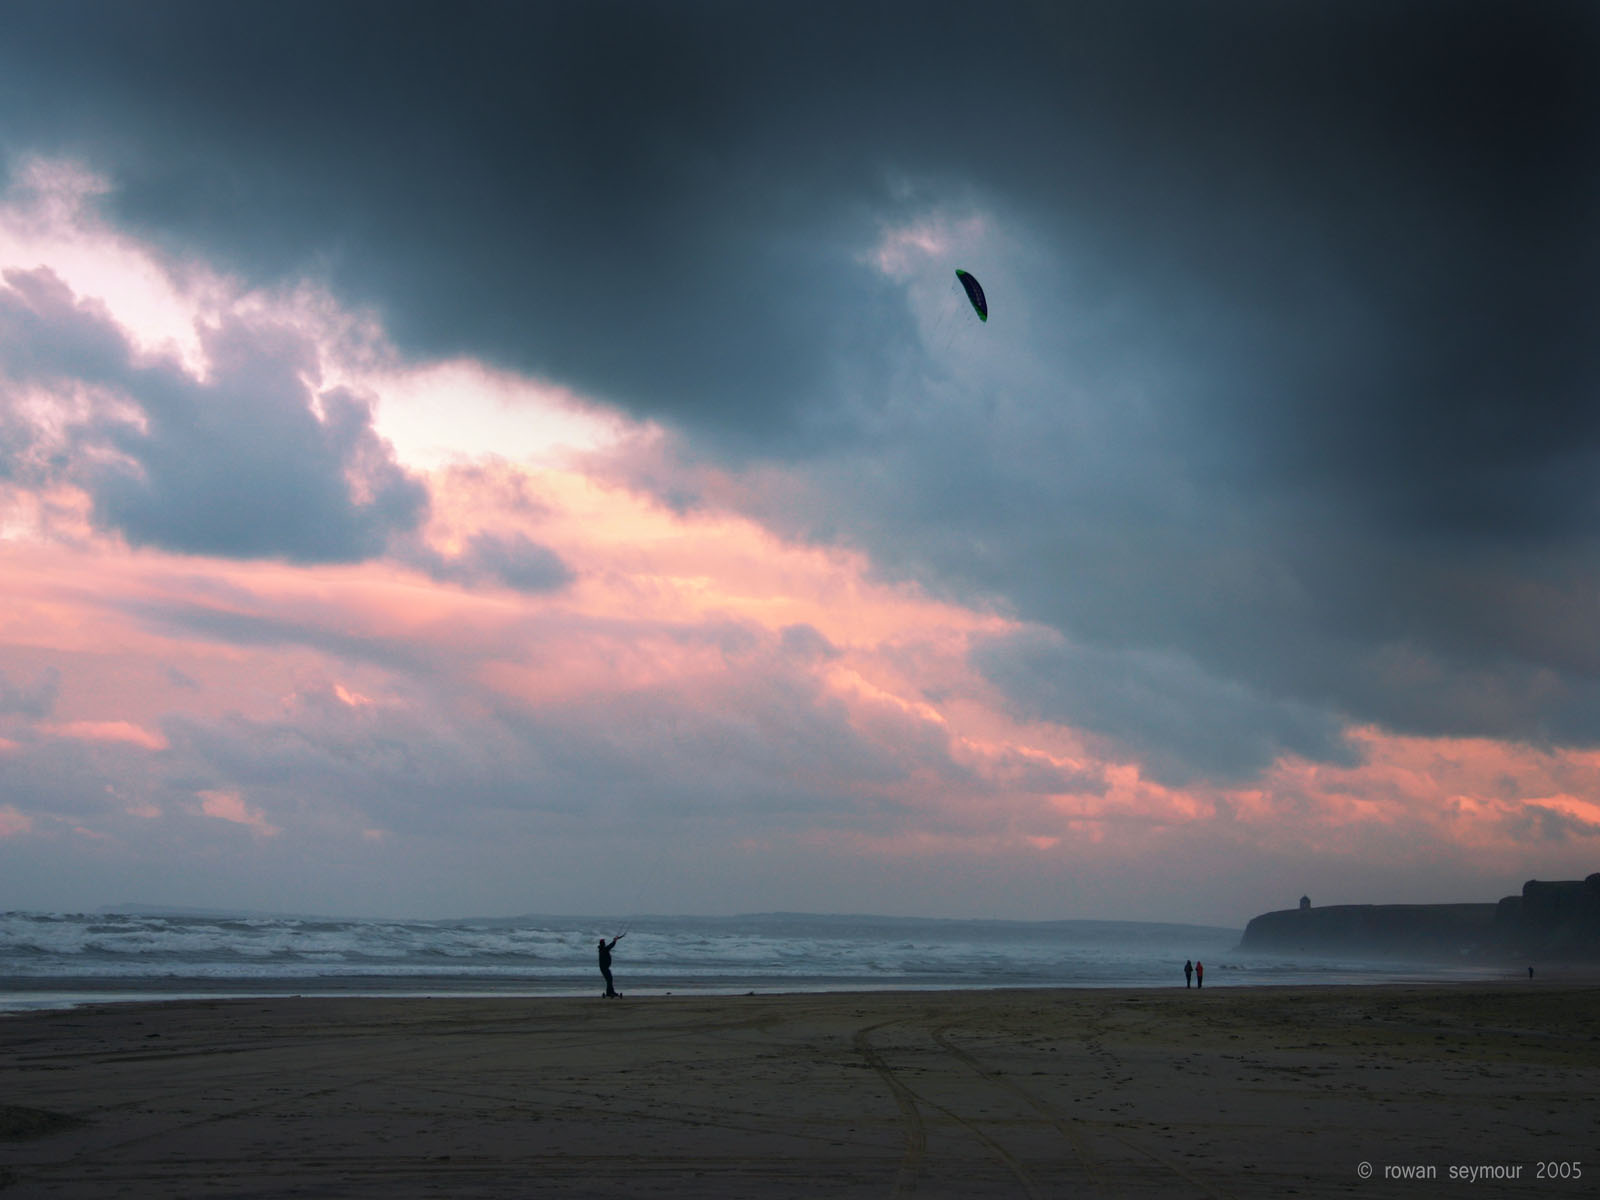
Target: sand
(1226,1092)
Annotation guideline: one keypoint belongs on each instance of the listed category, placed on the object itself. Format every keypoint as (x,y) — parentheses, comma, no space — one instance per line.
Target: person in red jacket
(1199,974)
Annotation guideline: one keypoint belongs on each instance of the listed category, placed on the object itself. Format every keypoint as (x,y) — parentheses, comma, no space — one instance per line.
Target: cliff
(1407,930)
(1549,920)
(1555,920)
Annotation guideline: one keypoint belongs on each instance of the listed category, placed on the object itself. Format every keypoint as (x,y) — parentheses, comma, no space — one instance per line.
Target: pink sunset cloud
(515,651)
(688,619)
(106,731)
(13,822)
(230,807)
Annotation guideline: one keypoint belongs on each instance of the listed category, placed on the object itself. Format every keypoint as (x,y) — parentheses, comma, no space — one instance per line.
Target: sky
(478,459)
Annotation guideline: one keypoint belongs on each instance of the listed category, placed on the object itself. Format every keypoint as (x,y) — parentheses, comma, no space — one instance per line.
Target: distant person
(1530,972)
(605,964)
(1188,973)
(1199,975)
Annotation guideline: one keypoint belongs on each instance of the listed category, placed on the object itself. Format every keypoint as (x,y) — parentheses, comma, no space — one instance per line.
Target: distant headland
(1549,920)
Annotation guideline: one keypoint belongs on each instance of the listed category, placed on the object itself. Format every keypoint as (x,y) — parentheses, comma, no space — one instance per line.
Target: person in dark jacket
(605,963)
(1188,973)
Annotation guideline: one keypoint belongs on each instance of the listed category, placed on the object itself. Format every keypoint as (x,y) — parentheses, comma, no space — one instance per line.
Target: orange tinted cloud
(107,731)
(230,806)
(680,603)
(785,693)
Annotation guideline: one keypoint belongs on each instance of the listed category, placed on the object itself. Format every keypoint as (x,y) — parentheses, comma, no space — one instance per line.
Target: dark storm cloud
(1364,226)
(241,464)
(1308,403)
(663,203)
(622,196)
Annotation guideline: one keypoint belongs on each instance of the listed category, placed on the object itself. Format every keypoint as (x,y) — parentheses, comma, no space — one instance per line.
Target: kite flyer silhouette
(605,964)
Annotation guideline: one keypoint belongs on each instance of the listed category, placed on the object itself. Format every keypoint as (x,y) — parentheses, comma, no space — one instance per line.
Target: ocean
(54,960)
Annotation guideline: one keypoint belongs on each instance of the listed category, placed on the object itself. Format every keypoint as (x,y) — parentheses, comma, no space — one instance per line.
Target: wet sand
(1226,1092)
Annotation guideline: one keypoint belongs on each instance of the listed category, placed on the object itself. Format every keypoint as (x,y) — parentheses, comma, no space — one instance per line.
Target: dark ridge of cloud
(240,465)
(518,562)
(1540,823)
(806,642)
(182,679)
(235,627)
(512,560)
(1180,723)
(36,700)
(1262,594)
(70,779)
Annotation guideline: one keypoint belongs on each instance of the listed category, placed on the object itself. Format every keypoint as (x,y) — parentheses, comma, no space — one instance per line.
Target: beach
(1226,1092)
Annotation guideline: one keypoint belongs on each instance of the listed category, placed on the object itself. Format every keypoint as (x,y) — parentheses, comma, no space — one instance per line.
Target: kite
(974,294)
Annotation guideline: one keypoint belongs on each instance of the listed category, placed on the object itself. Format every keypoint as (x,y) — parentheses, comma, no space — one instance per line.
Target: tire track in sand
(910,1103)
(916,1132)
(1067,1125)
(1064,1125)
(384,1053)
(1098,1031)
